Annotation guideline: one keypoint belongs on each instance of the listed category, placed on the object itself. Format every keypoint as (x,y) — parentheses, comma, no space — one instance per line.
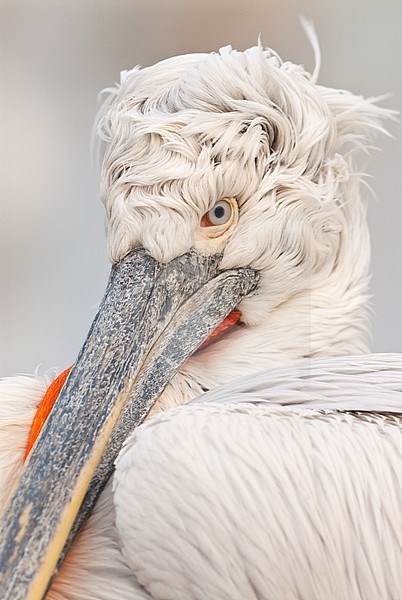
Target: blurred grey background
(57,55)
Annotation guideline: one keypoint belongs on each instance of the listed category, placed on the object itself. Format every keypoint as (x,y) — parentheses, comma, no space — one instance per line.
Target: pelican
(256,442)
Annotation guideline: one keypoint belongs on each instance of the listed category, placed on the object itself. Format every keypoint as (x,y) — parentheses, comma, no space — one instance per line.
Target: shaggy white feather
(286,491)
(19,398)
(312,517)
(190,130)
(370,382)
(179,136)
(202,513)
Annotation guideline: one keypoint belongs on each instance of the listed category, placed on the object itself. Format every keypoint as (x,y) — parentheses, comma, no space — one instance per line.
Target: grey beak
(151,319)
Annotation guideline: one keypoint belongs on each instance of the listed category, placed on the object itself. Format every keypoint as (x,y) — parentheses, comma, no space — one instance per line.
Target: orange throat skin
(54,389)
(45,407)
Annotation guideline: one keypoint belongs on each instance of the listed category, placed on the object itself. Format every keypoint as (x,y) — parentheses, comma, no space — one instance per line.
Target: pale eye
(220,214)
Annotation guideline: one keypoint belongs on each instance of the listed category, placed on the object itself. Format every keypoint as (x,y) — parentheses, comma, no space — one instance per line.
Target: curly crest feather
(192,129)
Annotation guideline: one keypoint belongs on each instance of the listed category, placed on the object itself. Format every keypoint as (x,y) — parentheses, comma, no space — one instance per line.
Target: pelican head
(230,188)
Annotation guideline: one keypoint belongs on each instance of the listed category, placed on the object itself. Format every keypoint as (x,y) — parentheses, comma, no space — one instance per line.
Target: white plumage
(257,500)
(287,485)
(284,484)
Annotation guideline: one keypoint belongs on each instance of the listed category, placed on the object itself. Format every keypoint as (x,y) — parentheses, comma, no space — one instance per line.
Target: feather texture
(282,491)
(284,483)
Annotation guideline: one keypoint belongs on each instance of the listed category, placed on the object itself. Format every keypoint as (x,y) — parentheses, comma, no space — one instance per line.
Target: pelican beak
(151,319)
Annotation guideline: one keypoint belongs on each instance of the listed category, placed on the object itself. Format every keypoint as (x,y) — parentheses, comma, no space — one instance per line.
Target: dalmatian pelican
(256,443)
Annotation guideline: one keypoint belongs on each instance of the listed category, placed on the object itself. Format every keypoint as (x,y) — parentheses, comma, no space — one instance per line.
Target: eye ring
(220,215)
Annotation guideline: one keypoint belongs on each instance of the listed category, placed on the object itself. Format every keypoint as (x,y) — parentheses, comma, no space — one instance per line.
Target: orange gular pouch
(219,332)
(45,407)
